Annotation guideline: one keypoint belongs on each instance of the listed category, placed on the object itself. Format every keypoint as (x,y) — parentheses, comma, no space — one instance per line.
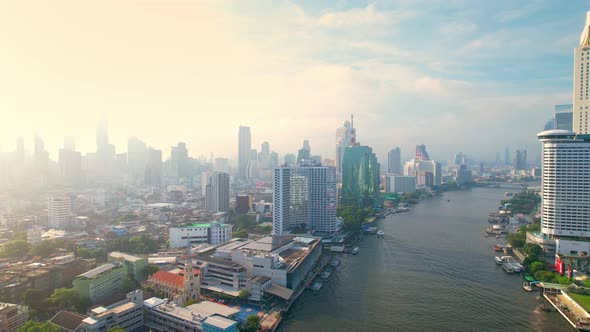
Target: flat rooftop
(269,243)
(97,271)
(125,256)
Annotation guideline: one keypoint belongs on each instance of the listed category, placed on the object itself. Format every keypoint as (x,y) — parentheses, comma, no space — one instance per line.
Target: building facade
(12,316)
(101,282)
(217,192)
(305,195)
(581,79)
(135,265)
(244,151)
(345,136)
(360,176)
(400,184)
(394,161)
(59,212)
(212,233)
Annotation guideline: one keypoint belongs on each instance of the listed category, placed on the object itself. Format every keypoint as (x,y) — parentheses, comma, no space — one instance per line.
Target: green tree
(537,266)
(151,269)
(244,294)
(32,326)
(66,298)
(129,284)
(38,303)
(251,325)
(44,249)
(533,249)
(242,234)
(15,249)
(244,221)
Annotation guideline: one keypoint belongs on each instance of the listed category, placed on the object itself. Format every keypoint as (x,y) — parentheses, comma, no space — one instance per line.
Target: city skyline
(154,67)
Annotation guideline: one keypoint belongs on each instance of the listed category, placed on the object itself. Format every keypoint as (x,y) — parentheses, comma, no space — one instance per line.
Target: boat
(507,267)
(529,278)
(355,250)
(317,285)
(498,247)
(380,234)
(498,260)
(527,287)
(335,262)
(327,273)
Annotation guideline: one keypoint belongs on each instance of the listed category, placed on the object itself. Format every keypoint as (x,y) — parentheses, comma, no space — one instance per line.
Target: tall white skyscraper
(305,195)
(244,150)
(565,207)
(58,211)
(217,192)
(581,66)
(345,136)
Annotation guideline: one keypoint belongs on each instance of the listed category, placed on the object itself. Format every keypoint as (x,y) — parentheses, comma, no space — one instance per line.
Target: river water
(434,270)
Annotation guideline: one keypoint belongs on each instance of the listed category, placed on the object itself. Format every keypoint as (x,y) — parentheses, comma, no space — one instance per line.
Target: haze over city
(411,71)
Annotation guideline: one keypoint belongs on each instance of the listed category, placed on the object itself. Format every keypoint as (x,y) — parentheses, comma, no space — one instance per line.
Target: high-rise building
(305,195)
(70,166)
(59,212)
(394,161)
(345,136)
(264,155)
(400,184)
(40,156)
(566,205)
(421,153)
(520,160)
(581,79)
(137,156)
(507,155)
(274,159)
(360,176)
(221,164)
(217,192)
(304,154)
(179,161)
(290,159)
(153,170)
(564,117)
(102,134)
(244,148)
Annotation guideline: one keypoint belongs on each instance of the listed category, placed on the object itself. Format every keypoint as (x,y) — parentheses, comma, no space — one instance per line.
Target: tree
(242,234)
(15,249)
(151,269)
(537,266)
(68,298)
(251,325)
(37,302)
(244,294)
(533,249)
(32,326)
(129,284)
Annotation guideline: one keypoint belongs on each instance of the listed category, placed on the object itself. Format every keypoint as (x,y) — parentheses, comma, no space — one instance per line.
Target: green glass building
(360,176)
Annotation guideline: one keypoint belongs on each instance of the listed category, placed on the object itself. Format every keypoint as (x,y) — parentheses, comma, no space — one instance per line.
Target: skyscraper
(179,161)
(70,165)
(137,155)
(217,192)
(507,155)
(58,211)
(264,156)
(360,176)
(394,161)
(244,148)
(102,135)
(564,117)
(305,195)
(421,153)
(153,170)
(520,160)
(565,209)
(581,79)
(345,136)
(304,154)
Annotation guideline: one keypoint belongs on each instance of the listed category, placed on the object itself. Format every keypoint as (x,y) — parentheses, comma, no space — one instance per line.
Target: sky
(456,75)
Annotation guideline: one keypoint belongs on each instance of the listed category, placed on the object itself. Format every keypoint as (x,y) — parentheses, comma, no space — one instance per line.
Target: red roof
(167,278)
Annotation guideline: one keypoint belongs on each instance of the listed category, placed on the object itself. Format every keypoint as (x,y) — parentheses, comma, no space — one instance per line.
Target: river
(434,270)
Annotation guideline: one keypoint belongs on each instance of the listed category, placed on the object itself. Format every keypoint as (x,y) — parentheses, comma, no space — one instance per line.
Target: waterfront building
(135,265)
(400,184)
(565,208)
(198,233)
(581,79)
(345,136)
(394,161)
(101,282)
(58,211)
(520,163)
(164,316)
(360,176)
(126,314)
(463,175)
(12,316)
(305,195)
(244,148)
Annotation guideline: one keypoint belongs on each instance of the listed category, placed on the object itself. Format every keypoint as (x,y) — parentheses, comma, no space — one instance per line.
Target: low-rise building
(68,321)
(135,265)
(101,282)
(12,316)
(126,314)
(197,233)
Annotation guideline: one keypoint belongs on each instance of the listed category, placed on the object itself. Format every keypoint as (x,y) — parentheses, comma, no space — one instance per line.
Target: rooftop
(97,271)
(125,256)
(164,277)
(269,243)
(207,308)
(220,322)
(67,320)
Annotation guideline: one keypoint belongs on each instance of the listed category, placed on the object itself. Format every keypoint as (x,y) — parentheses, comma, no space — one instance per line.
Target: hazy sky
(457,75)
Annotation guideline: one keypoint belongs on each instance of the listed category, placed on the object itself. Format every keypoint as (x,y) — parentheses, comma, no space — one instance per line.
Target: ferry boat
(317,285)
(380,234)
(498,260)
(507,267)
(355,250)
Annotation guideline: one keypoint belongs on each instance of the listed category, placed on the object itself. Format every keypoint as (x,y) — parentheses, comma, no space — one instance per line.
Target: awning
(280,291)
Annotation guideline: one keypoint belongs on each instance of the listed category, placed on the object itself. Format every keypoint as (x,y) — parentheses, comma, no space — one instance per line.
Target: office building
(305,195)
(217,192)
(360,176)
(135,265)
(153,170)
(244,148)
(70,166)
(520,162)
(126,314)
(264,155)
(400,184)
(345,137)
(581,79)
(274,159)
(179,162)
(421,153)
(212,233)
(463,175)
(12,316)
(58,211)
(564,117)
(101,282)
(394,161)
(304,154)
(137,160)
